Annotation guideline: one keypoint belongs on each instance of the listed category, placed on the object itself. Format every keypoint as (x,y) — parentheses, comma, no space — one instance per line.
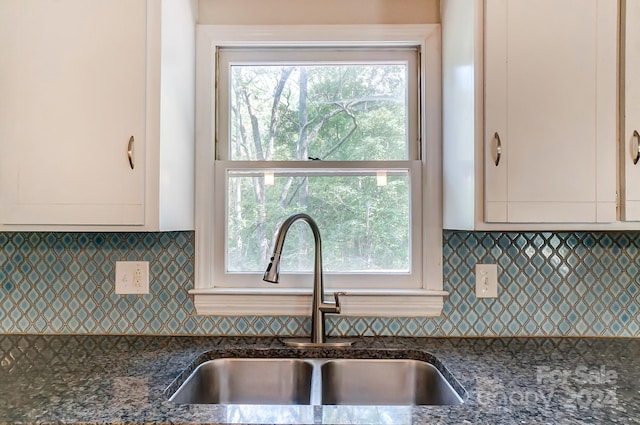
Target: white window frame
(211,296)
(335,281)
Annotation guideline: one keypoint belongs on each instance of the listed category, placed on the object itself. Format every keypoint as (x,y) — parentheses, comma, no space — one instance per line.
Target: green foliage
(349,113)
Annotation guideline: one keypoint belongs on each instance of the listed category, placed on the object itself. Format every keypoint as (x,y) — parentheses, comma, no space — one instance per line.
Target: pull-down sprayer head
(272,274)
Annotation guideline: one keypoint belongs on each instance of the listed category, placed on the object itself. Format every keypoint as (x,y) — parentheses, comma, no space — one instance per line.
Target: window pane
(363,218)
(343,112)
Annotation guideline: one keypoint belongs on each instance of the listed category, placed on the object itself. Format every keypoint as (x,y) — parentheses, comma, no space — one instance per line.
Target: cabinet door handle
(498,148)
(130,152)
(637,146)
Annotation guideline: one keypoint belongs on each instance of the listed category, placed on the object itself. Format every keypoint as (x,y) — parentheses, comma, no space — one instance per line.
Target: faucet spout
(319,305)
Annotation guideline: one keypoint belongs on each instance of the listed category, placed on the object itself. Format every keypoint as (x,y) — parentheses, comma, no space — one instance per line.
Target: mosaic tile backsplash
(550,284)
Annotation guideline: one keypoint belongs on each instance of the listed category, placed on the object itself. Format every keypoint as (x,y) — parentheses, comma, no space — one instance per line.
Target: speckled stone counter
(118,379)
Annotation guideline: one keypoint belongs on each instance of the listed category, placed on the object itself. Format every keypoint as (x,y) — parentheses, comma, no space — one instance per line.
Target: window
(342,123)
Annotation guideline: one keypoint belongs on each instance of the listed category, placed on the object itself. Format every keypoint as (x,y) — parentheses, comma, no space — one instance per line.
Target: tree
(320,112)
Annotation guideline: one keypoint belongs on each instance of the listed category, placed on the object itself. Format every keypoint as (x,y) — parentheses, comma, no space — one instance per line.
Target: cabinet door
(630,129)
(72,77)
(550,109)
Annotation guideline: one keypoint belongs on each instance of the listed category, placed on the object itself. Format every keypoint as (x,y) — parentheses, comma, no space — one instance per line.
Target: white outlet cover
(487,280)
(132,277)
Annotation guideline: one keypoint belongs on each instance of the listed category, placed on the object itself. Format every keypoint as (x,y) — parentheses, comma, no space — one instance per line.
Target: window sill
(297,302)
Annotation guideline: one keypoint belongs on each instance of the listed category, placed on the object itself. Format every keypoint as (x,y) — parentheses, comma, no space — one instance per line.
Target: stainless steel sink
(247,381)
(385,382)
(318,381)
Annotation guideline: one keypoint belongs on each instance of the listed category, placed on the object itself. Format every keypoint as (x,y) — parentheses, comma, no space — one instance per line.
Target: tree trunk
(302,153)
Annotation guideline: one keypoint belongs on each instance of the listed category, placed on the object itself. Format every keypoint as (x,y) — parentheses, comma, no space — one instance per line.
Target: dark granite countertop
(121,379)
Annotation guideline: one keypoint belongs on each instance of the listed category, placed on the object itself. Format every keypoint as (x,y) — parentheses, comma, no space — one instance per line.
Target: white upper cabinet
(73,94)
(96,115)
(630,114)
(550,110)
(536,82)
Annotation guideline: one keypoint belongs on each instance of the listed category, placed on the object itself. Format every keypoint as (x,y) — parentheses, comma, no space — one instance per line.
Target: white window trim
(275,301)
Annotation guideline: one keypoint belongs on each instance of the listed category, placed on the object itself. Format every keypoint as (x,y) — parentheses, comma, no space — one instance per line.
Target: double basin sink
(316,381)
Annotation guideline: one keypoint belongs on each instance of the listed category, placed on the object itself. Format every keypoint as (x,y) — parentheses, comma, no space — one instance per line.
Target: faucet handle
(336,296)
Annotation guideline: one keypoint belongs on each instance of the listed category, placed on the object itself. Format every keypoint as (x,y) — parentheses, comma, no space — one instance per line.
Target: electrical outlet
(132,277)
(487,280)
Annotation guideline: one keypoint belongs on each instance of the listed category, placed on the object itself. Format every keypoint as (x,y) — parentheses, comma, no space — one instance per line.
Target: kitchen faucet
(319,307)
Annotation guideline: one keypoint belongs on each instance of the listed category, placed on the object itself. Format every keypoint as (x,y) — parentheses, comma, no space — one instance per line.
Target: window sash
(353,280)
(339,54)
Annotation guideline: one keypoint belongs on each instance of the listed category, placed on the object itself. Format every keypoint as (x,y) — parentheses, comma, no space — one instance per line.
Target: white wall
(274,12)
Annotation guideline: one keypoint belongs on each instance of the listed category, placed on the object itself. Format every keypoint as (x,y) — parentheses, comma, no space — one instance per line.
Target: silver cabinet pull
(498,148)
(637,147)
(130,152)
